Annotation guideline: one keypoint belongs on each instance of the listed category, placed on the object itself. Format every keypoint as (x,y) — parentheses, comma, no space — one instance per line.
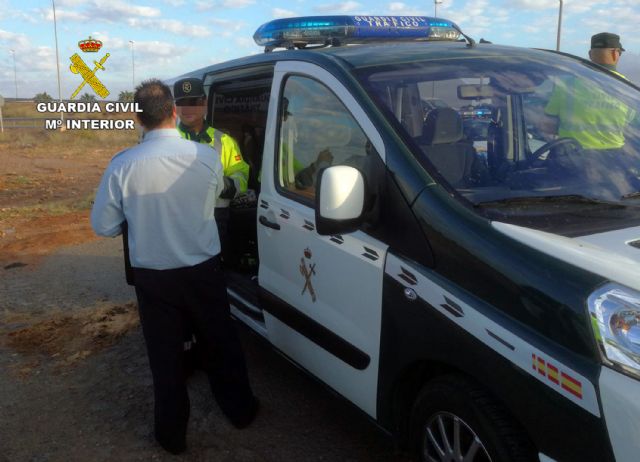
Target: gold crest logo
(78,66)
(186,87)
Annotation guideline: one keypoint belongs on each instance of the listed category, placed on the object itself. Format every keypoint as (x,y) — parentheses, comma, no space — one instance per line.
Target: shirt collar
(199,137)
(161,133)
(611,67)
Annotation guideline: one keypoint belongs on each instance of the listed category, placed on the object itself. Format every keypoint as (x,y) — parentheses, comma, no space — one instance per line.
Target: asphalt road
(99,407)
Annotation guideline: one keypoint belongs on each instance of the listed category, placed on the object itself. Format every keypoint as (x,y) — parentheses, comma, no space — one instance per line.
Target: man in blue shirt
(166,188)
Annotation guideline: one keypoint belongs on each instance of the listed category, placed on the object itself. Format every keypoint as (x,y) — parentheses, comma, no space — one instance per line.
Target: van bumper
(620,396)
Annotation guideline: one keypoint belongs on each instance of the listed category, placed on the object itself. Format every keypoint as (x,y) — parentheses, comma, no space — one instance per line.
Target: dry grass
(29,110)
(51,172)
(20,109)
(48,209)
(67,142)
(47,182)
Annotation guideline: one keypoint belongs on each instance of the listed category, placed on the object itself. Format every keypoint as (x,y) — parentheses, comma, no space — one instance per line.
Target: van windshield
(517,133)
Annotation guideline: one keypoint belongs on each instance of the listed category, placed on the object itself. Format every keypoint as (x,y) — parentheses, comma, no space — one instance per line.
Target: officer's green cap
(606,40)
(188,88)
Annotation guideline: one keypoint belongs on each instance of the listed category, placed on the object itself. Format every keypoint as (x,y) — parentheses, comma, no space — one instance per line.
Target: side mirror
(340,200)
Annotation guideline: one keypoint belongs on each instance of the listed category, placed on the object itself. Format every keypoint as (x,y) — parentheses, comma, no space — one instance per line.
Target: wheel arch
(410,383)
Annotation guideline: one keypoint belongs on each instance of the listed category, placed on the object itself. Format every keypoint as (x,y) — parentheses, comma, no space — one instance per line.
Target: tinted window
(316,131)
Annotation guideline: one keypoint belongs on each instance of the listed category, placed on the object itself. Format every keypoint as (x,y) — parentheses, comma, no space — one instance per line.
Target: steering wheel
(551,145)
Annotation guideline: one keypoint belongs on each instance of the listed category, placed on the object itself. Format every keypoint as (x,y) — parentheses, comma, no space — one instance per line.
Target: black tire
(450,402)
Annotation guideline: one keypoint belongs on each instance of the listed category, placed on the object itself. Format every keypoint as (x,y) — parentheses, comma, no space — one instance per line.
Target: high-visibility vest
(588,114)
(233,164)
(621,75)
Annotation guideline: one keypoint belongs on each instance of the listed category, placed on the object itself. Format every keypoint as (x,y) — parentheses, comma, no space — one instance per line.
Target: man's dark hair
(155,100)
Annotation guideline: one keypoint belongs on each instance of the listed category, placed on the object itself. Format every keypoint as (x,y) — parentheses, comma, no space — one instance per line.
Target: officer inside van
(582,111)
(588,115)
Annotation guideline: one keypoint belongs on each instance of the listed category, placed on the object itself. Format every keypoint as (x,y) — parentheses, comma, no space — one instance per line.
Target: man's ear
(174,114)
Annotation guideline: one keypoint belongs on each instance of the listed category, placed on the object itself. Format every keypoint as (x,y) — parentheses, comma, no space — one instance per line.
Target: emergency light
(339,30)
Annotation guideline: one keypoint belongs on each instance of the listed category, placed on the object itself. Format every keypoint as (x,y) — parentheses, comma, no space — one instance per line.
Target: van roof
(378,54)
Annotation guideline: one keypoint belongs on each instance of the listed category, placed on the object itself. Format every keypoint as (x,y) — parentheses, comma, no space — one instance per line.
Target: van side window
(316,131)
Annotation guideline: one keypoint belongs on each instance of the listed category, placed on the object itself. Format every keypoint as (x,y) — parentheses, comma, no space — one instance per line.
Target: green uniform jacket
(232,163)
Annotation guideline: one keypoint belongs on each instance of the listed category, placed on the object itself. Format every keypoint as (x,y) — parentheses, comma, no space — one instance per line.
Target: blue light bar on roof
(322,30)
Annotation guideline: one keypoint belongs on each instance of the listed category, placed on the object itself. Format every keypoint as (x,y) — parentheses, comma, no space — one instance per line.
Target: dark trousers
(192,348)
(222,215)
(168,300)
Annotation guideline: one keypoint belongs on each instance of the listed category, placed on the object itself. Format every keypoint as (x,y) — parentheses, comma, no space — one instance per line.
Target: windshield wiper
(630,195)
(557,199)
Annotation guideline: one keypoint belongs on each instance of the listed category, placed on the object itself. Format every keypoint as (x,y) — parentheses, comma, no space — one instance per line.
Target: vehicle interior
(481,128)
(238,105)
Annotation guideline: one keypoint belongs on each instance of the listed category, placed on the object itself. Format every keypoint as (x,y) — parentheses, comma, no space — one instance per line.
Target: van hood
(614,255)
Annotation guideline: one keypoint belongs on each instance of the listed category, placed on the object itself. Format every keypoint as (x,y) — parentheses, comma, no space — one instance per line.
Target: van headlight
(615,318)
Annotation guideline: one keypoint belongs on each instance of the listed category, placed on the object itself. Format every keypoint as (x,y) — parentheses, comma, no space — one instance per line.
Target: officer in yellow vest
(606,50)
(584,111)
(191,108)
(588,114)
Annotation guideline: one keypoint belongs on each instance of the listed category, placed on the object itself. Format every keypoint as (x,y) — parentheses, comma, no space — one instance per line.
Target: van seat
(441,141)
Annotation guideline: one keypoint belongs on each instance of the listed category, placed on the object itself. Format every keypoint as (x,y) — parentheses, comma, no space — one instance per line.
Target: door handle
(269,224)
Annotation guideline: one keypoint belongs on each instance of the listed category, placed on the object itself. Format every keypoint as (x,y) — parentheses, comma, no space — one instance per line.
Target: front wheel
(454,420)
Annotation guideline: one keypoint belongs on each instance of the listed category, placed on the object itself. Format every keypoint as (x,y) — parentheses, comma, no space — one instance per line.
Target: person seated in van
(580,110)
(589,115)
(303,177)
(585,112)
(307,177)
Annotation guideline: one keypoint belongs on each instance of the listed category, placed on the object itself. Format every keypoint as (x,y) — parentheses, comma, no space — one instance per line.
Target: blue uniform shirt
(166,189)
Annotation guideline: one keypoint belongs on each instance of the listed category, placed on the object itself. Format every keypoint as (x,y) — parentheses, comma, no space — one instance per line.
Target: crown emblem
(90,45)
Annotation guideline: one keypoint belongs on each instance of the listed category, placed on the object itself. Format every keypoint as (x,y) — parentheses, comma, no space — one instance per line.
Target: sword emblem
(78,66)
(307,273)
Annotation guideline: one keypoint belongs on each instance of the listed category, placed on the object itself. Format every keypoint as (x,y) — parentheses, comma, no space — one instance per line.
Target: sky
(171,37)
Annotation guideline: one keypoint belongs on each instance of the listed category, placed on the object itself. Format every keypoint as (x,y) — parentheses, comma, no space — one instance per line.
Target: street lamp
(55,31)
(15,74)
(133,67)
(559,27)
(435,7)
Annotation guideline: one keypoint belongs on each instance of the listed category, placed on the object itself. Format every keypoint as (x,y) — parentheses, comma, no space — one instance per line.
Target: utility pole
(133,68)
(15,74)
(435,7)
(55,31)
(559,27)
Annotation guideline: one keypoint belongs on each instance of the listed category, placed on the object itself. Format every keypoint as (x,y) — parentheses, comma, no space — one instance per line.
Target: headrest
(443,125)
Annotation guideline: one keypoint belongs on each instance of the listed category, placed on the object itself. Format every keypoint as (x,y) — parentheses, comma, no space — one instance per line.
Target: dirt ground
(74,379)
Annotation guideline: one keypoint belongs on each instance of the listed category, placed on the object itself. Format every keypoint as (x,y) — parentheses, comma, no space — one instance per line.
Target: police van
(445,233)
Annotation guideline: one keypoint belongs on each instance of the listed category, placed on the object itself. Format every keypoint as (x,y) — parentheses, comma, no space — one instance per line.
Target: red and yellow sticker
(556,376)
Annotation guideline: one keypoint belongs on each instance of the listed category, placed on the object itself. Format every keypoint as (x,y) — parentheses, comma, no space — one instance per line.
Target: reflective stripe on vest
(217,141)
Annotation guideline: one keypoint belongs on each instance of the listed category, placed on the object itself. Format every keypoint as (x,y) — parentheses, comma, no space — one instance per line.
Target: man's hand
(324,157)
(547,126)
(229,191)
